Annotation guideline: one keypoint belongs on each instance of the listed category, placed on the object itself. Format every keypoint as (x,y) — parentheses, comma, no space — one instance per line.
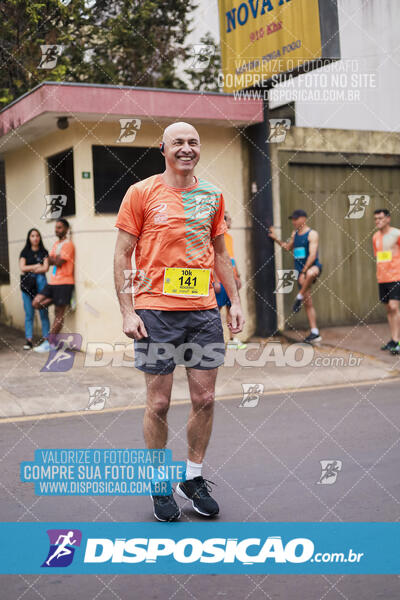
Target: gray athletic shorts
(193,338)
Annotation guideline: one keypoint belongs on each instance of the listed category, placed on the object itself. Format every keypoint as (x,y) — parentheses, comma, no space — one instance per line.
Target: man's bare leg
(41,301)
(304,297)
(393,316)
(58,323)
(155,430)
(306,280)
(195,488)
(310,310)
(155,425)
(202,394)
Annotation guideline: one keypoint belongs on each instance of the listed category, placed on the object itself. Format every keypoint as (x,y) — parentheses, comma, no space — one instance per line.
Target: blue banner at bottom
(209,547)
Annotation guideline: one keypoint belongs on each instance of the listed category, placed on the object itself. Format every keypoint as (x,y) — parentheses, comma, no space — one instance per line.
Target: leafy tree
(24,26)
(123,42)
(143,42)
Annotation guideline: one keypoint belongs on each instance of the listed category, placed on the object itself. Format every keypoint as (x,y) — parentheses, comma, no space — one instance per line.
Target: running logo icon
(50,56)
(330,470)
(54,206)
(278,129)
(161,214)
(98,397)
(201,56)
(129,129)
(63,543)
(251,394)
(135,280)
(286,280)
(62,352)
(204,205)
(357,205)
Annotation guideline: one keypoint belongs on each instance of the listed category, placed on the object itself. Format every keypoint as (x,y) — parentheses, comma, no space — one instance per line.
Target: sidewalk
(365,339)
(24,390)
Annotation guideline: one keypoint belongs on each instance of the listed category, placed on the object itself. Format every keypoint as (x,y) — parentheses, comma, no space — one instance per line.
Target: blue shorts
(222,298)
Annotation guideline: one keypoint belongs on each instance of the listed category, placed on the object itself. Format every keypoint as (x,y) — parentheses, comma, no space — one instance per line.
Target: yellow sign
(261,39)
(384,256)
(186,282)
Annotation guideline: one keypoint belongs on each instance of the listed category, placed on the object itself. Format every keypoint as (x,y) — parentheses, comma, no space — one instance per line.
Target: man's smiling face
(181,148)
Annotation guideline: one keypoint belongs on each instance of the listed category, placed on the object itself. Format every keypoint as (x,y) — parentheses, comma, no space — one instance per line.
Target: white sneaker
(44,347)
(236,343)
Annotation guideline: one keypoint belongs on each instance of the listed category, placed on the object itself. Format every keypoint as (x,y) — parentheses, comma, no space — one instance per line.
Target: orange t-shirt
(229,248)
(229,243)
(174,228)
(65,273)
(388,265)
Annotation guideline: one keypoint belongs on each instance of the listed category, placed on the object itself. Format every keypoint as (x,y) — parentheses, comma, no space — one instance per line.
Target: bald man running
(175,223)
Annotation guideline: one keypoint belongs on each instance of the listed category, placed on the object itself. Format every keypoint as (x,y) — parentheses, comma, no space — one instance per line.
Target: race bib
(384,256)
(299,252)
(186,282)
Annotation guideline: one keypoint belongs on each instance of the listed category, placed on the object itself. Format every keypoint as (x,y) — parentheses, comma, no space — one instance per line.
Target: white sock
(193,469)
(299,296)
(315,330)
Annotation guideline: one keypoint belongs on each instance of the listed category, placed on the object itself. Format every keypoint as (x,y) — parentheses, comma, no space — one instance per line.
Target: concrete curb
(130,407)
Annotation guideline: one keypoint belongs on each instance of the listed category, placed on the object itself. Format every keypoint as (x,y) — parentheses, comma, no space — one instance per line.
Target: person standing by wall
(61,285)
(34,263)
(304,242)
(386,244)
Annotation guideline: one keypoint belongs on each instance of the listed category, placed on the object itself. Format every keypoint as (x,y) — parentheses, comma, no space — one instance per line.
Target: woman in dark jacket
(34,263)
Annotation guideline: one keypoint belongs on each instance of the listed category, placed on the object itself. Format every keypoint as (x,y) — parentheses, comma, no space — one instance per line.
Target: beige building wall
(97,316)
(341,140)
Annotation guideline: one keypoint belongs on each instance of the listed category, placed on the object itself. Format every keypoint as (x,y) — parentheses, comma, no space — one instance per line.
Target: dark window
(61,178)
(116,168)
(4,260)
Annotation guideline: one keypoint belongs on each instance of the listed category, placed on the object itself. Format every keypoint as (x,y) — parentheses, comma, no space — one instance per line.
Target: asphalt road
(265,462)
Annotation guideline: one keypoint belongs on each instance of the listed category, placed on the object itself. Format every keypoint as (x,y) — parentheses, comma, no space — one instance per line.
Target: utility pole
(262,218)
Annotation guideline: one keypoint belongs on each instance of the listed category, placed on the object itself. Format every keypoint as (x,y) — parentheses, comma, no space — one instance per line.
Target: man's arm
(374,244)
(217,283)
(63,254)
(133,325)
(237,277)
(56,260)
(285,245)
(224,271)
(312,250)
